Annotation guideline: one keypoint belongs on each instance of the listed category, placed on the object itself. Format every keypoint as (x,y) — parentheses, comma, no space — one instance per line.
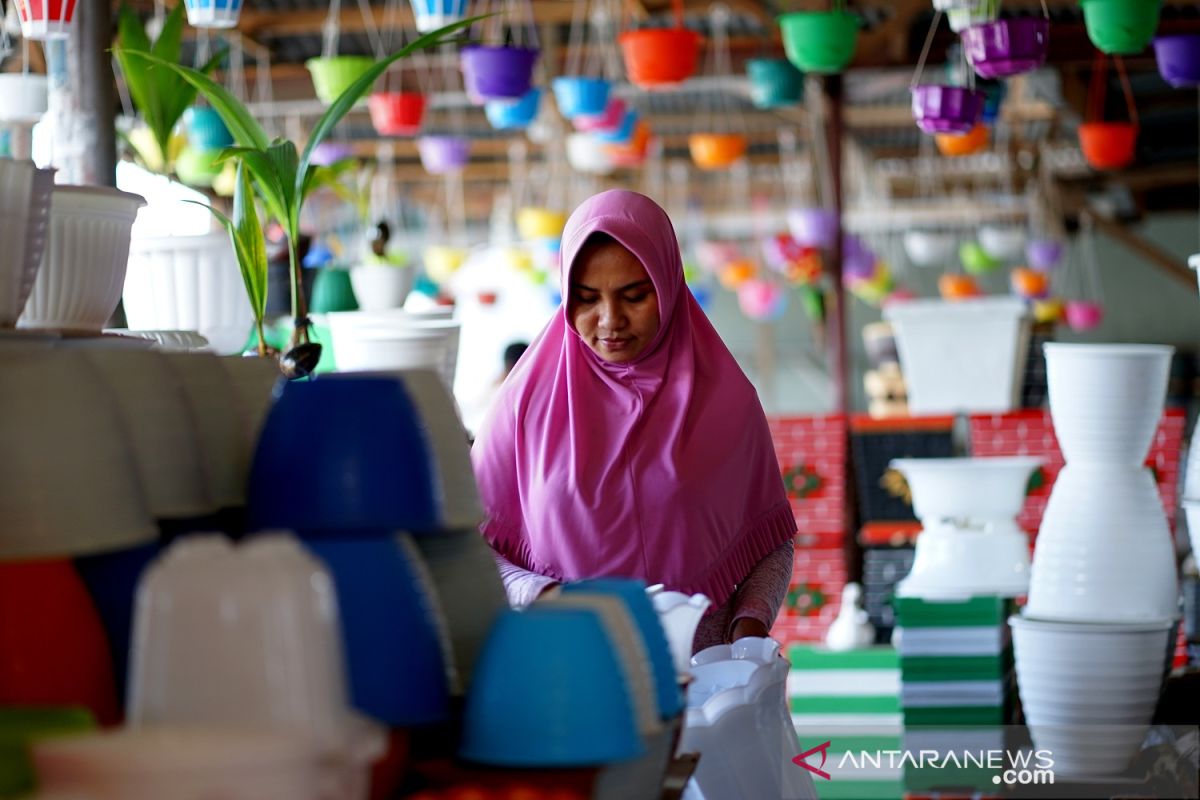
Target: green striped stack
(851,700)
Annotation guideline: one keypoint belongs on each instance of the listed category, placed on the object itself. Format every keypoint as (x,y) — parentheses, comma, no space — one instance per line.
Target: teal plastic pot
(774,82)
(332,291)
(1121,27)
(819,41)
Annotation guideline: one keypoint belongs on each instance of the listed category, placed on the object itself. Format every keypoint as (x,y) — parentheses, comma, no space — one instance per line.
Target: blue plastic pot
(774,82)
(205,128)
(577,96)
(623,132)
(508,115)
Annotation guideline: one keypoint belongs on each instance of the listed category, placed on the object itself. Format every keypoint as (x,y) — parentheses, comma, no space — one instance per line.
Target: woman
(627,441)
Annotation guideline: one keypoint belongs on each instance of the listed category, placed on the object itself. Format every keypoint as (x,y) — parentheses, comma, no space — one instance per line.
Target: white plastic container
(381,286)
(83,266)
(189,283)
(24,221)
(680,615)
(1106,400)
(929,248)
(1095,726)
(587,154)
(1002,242)
(25,97)
(364,343)
(962,356)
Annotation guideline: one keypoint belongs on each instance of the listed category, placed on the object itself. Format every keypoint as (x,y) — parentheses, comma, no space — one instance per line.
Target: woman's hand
(549,590)
(748,626)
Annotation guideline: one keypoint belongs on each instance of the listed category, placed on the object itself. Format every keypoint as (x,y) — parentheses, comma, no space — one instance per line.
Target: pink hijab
(661,469)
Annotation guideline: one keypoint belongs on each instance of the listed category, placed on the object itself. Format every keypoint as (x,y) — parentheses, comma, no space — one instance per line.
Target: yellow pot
(540,223)
(442,261)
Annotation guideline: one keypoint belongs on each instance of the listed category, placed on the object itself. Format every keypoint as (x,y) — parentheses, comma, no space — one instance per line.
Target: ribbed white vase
(24,220)
(189,283)
(83,267)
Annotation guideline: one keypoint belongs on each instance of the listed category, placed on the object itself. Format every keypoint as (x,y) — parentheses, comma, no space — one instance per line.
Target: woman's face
(612,302)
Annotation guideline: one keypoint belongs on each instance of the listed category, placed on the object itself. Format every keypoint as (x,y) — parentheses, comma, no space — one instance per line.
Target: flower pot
(1179,59)
(969,143)
(623,132)
(586,153)
(1048,311)
(993,98)
(1106,400)
(441,261)
(332,75)
(1120,27)
(1043,254)
(716,150)
(813,227)
(396,113)
(332,291)
(975,259)
(25,97)
(196,167)
(946,109)
(1029,283)
(968,355)
(328,153)
(1007,47)
(43,20)
(213,13)
(633,152)
(929,249)
(579,96)
(819,41)
(189,283)
(968,14)
(609,118)
(498,73)
(540,223)
(433,14)
(952,286)
(83,266)
(659,56)
(381,286)
(441,155)
(1108,145)
(1002,242)
(206,130)
(513,114)
(25,194)
(774,82)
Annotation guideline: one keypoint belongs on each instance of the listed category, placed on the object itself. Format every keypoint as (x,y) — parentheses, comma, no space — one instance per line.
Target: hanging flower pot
(540,223)
(1029,283)
(586,153)
(1108,145)
(206,130)
(993,98)
(656,57)
(716,150)
(813,227)
(610,118)
(441,155)
(819,41)
(623,132)
(1002,242)
(43,20)
(1083,315)
(328,153)
(580,96)
(975,259)
(966,144)
(25,97)
(498,73)
(969,14)
(1043,254)
(774,82)
(1120,27)
(1179,59)
(513,114)
(928,248)
(761,300)
(332,75)
(396,113)
(946,109)
(952,286)
(1048,311)
(735,273)
(442,261)
(632,153)
(1007,47)
(213,13)
(197,167)
(433,14)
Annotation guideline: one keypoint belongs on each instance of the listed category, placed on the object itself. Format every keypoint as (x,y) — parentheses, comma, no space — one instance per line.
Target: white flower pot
(362,343)
(1106,399)
(1002,242)
(83,267)
(25,97)
(24,221)
(1104,551)
(586,153)
(964,356)
(1094,727)
(930,249)
(378,287)
(189,283)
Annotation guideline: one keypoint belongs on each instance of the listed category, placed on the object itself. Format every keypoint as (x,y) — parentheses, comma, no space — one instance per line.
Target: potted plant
(820,41)
(284,175)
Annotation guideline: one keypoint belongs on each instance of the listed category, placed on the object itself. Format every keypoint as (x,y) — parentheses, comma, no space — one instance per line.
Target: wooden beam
(1151,252)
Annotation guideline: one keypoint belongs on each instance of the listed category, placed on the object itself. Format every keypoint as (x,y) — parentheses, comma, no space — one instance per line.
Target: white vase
(1106,400)
(83,267)
(189,283)
(1104,551)
(1089,691)
(24,221)
(378,287)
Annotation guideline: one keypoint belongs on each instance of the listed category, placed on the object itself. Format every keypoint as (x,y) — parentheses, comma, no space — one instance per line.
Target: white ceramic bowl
(930,248)
(83,267)
(24,222)
(961,563)
(975,489)
(189,283)
(1106,399)
(381,286)
(25,97)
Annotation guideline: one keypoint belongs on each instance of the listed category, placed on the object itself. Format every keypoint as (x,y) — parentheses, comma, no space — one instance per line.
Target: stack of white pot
(1093,642)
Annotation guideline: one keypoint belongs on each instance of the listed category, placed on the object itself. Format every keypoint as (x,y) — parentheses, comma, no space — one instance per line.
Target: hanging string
(1092,287)
(203,48)
(330,29)
(916,78)
(368,18)
(576,37)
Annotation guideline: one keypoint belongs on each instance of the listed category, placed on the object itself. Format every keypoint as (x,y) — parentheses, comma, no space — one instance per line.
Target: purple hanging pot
(327,154)
(1007,47)
(946,109)
(1043,254)
(1179,59)
(498,73)
(444,154)
(813,227)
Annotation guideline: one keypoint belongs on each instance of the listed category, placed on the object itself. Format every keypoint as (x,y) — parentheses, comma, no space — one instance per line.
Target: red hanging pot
(660,56)
(1108,145)
(46,19)
(396,113)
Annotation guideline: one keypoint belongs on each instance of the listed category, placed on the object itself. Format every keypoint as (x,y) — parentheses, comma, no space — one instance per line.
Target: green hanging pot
(774,82)
(332,75)
(332,291)
(1121,27)
(975,259)
(819,41)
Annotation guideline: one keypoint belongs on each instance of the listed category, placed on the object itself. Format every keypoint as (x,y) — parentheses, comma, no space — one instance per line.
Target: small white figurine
(852,628)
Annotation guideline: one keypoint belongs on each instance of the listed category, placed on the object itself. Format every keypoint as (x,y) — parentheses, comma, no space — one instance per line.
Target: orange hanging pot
(969,143)
(660,56)
(953,286)
(716,150)
(1108,145)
